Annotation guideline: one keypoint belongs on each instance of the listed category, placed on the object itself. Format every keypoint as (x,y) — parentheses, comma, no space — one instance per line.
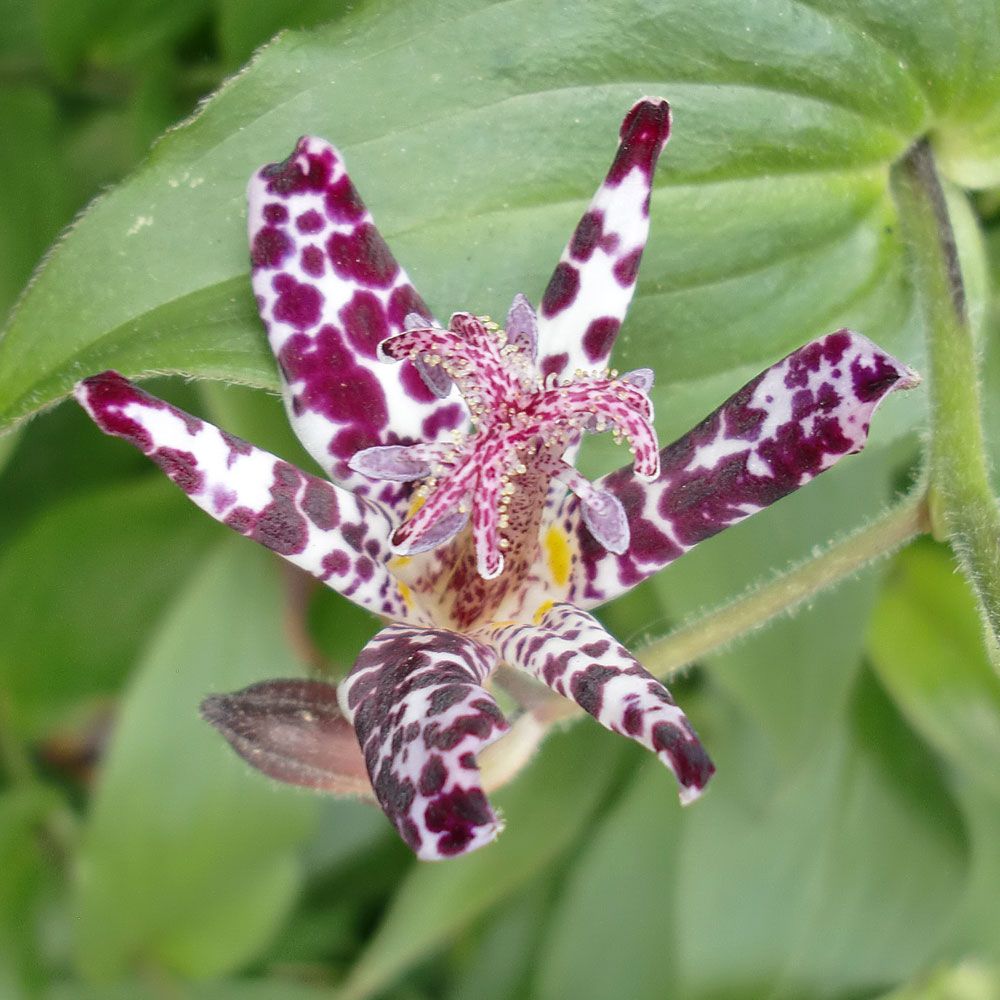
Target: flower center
(524,422)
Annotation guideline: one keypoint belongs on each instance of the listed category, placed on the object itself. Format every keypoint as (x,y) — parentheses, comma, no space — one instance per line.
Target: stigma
(524,421)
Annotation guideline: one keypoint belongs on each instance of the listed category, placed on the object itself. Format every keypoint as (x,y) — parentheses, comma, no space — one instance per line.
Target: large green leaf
(33,182)
(79,588)
(547,808)
(804,887)
(926,641)
(772,220)
(188,857)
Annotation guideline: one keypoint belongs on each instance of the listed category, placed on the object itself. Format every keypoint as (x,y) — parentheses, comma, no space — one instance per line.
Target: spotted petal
(571,652)
(591,288)
(792,422)
(416,700)
(329,290)
(338,537)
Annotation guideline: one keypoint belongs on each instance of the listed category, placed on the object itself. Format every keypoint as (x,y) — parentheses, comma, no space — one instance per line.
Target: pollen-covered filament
(523,421)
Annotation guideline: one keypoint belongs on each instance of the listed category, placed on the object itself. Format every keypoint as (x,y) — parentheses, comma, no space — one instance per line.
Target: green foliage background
(849,845)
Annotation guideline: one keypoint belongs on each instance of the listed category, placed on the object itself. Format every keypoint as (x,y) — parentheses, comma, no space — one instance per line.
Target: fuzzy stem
(963,507)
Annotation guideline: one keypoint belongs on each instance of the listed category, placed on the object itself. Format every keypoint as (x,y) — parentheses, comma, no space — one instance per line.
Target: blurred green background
(850,844)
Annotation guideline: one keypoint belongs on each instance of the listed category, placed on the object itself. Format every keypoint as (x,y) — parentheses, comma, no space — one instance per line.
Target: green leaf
(926,642)
(80,587)
(614,929)
(229,989)
(242,27)
(771,218)
(546,808)
(188,857)
(796,887)
(24,871)
(33,184)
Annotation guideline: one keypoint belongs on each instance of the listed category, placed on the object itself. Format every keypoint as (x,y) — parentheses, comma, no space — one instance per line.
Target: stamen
(522,417)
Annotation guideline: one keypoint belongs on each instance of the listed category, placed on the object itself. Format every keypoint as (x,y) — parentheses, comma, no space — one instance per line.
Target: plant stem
(767,601)
(962,505)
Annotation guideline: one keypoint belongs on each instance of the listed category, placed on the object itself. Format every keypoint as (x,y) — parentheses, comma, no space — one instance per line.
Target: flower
(502,550)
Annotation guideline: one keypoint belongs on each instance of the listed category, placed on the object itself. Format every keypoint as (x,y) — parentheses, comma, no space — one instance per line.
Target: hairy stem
(963,507)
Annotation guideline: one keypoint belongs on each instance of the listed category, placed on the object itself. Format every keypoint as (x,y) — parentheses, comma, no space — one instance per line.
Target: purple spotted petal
(792,422)
(416,699)
(586,299)
(329,291)
(293,731)
(338,537)
(571,652)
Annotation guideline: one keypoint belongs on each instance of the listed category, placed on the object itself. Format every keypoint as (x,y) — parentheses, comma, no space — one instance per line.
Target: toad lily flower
(453,508)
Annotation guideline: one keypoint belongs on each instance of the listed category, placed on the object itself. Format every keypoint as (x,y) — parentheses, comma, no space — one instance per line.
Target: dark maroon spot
(595,649)
(107,394)
(554,364)
(298,304)
(414,385)
(586,236)
(288,177)
(873,383)
(744,421)
(468,761)
(447,696)
(457,815)
(632,720)
(343,203)
(835,346)
(626,269)
(648,544)
(275,213)
(310,222)
(688,757)
(444,418)
(609,242)
(354,535)
(181,467)
(802,363)
(364,323)
(432,777)
(599,337)
(241,519)
(643,133)
(363,257)
(236,446)
(334,383)
(561,291)
(587,687)
(336,563)
(353,439)
(279,526)
(364,567)
(270,247)
(403,301)
(313,261)
(320,504)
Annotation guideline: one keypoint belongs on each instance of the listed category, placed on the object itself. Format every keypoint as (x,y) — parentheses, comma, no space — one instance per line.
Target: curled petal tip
(910,379)
(647,121)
